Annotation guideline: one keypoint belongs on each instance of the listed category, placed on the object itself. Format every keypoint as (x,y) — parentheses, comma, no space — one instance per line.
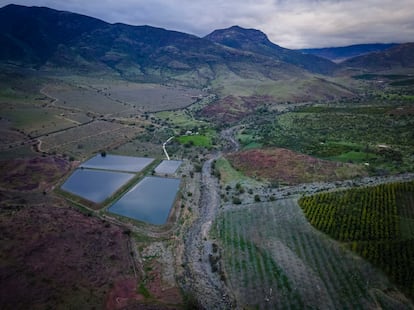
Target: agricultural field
(379,134)
(375,222)
(272,258)
(81,141)
(114,97)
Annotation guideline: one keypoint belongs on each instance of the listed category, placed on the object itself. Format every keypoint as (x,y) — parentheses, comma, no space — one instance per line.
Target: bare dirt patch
(57,257)
(282,165)
(232,109)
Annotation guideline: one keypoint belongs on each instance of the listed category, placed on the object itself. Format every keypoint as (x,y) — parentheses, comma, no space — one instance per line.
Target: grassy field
(376,222)
(272,258)
(196,140)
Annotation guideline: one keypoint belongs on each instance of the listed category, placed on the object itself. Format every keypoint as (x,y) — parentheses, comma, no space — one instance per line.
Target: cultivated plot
(84,140)
(273,259)
(149,201)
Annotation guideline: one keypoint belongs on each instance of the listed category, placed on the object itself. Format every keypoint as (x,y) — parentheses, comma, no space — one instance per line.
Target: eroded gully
(206,286)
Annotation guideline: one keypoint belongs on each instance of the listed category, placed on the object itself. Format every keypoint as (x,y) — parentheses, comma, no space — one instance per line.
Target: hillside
(339,54)
(56,39)
(255,41)
(397,57)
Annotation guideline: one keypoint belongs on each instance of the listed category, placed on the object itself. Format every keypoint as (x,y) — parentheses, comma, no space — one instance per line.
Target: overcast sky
(289,23)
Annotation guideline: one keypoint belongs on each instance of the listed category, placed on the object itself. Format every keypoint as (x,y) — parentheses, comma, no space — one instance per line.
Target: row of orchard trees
(368,213)
(369,219)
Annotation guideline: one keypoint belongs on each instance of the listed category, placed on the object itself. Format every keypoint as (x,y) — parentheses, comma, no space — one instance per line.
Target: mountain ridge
(53,39)
(59,38)
(342,53)
(256,41)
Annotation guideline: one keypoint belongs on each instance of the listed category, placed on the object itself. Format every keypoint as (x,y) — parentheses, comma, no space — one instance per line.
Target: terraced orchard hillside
(272,258)
(375,222)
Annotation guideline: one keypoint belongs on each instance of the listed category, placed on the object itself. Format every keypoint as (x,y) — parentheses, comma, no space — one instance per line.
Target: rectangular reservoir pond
(168,166)
(149,201)
(117,162)
(95,185)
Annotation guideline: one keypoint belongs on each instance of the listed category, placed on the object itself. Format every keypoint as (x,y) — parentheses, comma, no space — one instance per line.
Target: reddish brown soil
(32,174)
(286,166)
(402,111)
(57,257)
(232,109)
(159,291)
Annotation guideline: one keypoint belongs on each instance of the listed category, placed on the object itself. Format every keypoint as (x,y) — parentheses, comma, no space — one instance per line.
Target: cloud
(289,23)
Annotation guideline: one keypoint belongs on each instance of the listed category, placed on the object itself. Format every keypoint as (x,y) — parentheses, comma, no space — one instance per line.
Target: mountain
(31,35)
(338,54)
(255,41)
(397,57)
(40,37)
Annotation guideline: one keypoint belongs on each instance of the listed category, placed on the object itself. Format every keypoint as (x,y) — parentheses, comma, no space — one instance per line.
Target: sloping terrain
(255,41)
(60,258)
(285,166)
(338,54)
(397,57)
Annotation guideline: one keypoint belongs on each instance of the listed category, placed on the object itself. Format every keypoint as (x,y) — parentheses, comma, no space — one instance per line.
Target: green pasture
(196,140)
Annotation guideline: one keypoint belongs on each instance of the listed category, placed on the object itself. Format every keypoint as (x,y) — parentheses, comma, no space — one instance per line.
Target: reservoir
(149,201)
(168,166)
(95,185)
(118,163)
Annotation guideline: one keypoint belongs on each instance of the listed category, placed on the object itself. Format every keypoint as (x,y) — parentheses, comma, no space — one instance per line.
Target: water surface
(117,162)
(149,201)
(168,166)
(95,185)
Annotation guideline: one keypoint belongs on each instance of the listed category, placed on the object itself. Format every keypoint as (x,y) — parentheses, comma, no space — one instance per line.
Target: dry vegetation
(282,165)
(50,261)
(39,173)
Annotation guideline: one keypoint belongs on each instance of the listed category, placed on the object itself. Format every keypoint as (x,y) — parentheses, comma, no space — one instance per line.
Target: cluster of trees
(369,219)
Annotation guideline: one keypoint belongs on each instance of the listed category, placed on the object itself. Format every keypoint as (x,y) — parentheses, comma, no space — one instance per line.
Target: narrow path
(164,148)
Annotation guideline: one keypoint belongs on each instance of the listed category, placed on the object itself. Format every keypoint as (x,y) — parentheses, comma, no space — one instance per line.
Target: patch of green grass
(142,289)
(229,175)
(196,140)
(354,157)
(203,139)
